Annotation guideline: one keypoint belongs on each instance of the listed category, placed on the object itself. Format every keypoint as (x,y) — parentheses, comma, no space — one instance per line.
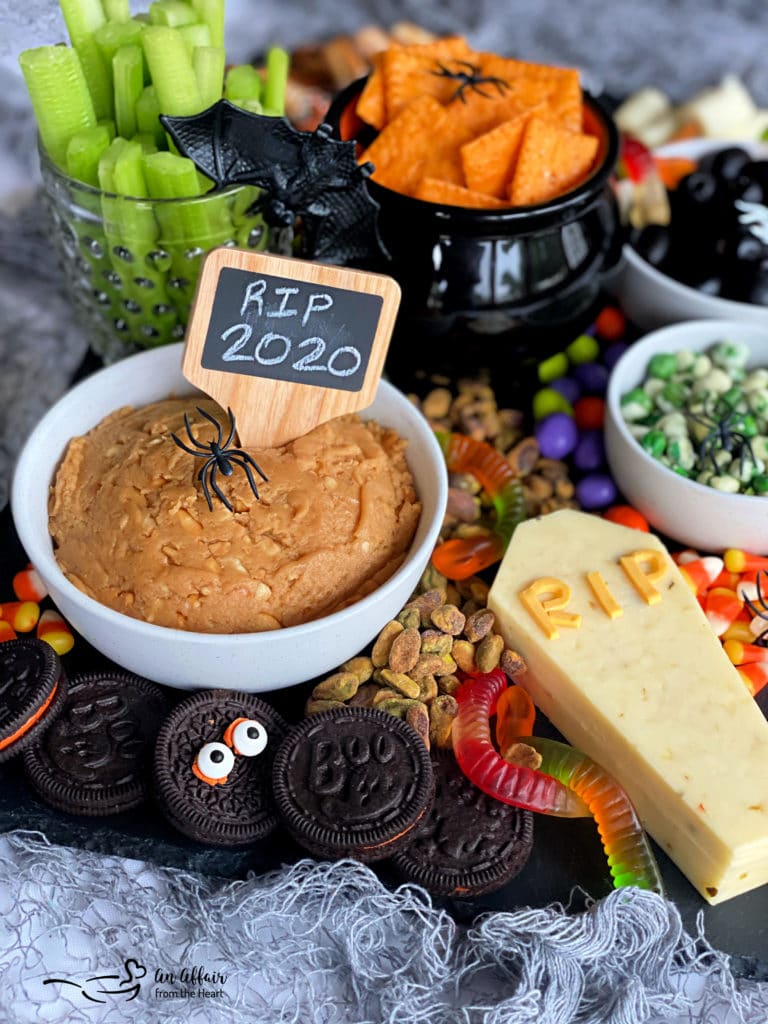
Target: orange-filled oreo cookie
(213,767)
(93,760)
(468,844)
(32,688)
(352,782)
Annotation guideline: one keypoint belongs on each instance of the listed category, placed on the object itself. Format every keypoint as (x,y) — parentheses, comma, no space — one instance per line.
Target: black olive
(725,164)
(754,284)
(697,188)
(748,189)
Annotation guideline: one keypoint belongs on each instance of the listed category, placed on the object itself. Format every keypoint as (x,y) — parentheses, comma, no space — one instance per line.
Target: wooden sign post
(285,343)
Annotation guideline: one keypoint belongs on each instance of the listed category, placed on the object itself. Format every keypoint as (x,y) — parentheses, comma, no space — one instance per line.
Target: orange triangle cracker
(370,103)
(432,190)
(399,151)
(551,161)
(413,71)
(489,160)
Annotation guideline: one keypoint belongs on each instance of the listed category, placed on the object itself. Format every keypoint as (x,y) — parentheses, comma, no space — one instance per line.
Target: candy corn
(722,607)
(54,630)
(755,676)
(742,561)
(28,586)
(22,615)
(744,654)
(700,573)
(7,632)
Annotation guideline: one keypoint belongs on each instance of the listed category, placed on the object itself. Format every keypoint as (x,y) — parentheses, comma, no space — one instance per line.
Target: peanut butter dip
(132,529)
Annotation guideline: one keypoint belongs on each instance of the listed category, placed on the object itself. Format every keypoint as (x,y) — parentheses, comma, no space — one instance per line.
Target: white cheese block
(640,683)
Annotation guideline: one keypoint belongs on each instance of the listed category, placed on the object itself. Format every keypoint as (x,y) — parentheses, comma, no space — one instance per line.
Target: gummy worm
(589,787)
(460,558)
(483,765)
(630,857)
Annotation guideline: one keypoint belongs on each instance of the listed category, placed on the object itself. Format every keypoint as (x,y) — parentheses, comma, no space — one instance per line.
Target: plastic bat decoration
(312,182)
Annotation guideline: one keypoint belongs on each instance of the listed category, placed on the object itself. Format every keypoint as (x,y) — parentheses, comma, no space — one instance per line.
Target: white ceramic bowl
(651,298)
(691,513)
(253,662)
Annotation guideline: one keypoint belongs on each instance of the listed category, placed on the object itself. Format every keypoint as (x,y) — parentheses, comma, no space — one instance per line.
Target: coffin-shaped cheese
(623,662)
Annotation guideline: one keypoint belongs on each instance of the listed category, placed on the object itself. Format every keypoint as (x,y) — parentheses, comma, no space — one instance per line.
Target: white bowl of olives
(711,261)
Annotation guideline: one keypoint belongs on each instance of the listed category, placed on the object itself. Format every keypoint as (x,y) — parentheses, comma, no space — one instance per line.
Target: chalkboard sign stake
(287,344)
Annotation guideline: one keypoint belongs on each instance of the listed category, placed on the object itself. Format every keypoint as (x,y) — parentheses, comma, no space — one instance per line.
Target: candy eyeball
(213,763)
(247,737)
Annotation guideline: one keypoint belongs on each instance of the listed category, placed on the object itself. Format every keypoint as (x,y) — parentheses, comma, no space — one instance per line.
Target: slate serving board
(567,855)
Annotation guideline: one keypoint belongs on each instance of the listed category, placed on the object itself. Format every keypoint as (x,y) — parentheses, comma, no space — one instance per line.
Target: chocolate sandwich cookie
(93,759)
(32,688)
(468,843)
(213,767)
(352,782)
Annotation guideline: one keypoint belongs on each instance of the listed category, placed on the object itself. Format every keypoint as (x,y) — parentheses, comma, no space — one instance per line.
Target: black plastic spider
(723,435)
(759,609)
(218,457)
(471,79)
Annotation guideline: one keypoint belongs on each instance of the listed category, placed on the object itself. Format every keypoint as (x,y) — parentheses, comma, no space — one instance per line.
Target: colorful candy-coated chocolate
(630,858)
(610,323)
(589,412)
(625,515)
(481,763)
(557,435)
(460,558)
(595,490)
(55,631)
(22,615)
(28,585)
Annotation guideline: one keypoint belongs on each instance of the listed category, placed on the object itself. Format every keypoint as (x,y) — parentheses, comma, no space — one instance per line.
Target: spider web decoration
(315,195)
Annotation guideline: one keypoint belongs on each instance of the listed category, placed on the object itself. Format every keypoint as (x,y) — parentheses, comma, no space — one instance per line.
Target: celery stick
(114,34)
(128,175)
(98,75)
(84,151)
(212,13)
(128,75)
(148,114)
(117,10)
(243,82)
(173,13)
(82,18)
(278,63)
(109,124)
(196,35)
(59,94)
(208,63)
(170,67)
(147,141)
(106,166)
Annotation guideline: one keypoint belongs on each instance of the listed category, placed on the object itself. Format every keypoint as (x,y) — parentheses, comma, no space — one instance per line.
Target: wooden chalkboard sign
(285,343)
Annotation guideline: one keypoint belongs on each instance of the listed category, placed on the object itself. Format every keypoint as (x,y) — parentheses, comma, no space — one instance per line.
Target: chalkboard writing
(298,331)
(287,344)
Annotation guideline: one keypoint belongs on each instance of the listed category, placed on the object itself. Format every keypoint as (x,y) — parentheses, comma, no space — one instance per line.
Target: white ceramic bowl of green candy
(703,513)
